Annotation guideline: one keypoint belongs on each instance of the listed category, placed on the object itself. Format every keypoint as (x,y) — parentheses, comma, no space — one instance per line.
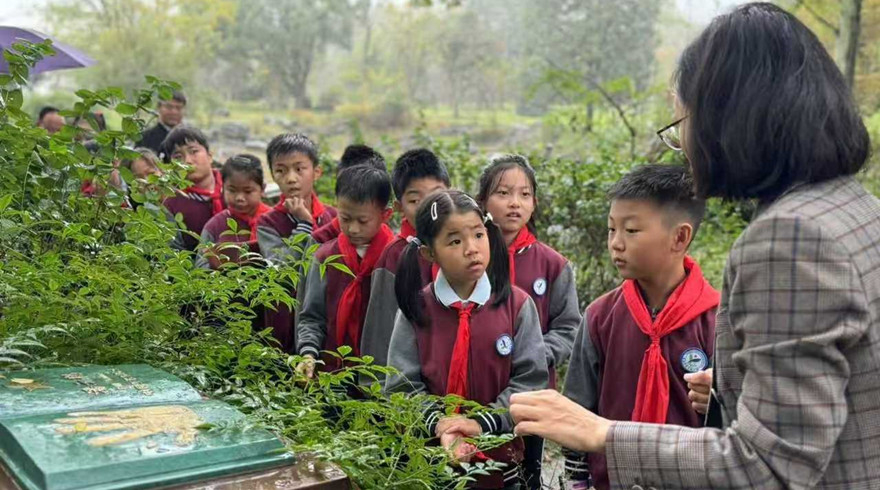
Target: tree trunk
(848,38)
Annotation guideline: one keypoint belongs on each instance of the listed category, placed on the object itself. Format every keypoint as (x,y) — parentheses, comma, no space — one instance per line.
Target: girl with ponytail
(468,333)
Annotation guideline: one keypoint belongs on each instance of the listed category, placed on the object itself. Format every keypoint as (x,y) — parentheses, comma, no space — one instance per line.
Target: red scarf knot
(693,297)
(216,195)
(251,220)
(523,239)
(349,312)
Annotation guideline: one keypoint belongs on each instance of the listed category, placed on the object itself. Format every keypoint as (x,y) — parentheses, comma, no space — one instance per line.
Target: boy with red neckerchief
(416,175)
(353,155)
(638,341)
(202,200)
(334,304)
(293,160)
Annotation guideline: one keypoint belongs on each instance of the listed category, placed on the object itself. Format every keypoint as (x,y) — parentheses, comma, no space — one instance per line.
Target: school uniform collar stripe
(447,296)
(523,250)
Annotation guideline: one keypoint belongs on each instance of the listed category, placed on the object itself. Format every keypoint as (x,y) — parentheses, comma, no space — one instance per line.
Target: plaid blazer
(797,358)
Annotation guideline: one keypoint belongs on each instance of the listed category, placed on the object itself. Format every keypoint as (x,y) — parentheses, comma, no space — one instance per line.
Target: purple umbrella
(65,56)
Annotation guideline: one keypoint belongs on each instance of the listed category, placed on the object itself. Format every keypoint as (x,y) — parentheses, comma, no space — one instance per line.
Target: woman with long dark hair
(763,113)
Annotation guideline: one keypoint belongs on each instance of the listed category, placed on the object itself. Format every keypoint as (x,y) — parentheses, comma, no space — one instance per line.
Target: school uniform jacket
(549,279)
(604,370)
(196,210)
(496,368)
(382,309)
(316,320)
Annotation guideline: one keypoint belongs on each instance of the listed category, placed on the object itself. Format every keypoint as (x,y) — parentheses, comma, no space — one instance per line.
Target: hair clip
(434,215)
(487,218)
(415,241)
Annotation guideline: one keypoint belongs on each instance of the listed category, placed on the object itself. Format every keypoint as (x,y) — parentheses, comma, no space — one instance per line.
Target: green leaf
(126,109)
(14,99)
(5,201)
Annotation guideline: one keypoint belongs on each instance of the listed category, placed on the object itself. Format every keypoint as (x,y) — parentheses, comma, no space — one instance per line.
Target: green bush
(86,280)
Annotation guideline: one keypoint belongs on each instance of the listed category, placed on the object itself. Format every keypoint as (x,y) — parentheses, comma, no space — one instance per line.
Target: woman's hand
(552,416)
(700,386)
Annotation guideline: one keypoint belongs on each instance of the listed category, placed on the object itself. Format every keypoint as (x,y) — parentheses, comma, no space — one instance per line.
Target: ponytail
(408,284)
(499,267)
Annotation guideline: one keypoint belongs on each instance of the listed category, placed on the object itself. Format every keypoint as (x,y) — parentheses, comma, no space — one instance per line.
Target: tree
(286,36)
(846,32)
(174,39)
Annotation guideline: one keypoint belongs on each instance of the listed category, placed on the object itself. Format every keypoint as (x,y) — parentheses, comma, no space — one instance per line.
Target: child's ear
(684,234)
(318,171)
(426,253)
(396,206)
(386,214)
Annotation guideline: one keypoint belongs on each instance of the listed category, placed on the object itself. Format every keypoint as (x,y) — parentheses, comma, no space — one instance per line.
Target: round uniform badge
(540,286)
(694,359)
(504,345)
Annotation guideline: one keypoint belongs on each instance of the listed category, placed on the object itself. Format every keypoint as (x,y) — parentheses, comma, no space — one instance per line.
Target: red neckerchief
(216,195)
(457,381)
(691,298)
(407,232)
(523,239)
(348,320)
(317,207)
(251,220)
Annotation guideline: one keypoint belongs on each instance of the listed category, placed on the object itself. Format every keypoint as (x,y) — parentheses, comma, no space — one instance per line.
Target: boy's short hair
(46,111)
(244,163)
(363,183)
(670,187)
(180,136)
(361,155)
(178,96)
(287,143)
(416,164)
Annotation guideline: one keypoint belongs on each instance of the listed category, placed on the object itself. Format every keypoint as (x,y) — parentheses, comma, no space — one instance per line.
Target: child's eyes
(455,242)
(630,230)
(480,234)
(414,203)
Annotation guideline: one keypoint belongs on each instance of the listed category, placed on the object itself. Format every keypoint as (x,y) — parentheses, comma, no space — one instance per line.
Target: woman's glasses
(670,135)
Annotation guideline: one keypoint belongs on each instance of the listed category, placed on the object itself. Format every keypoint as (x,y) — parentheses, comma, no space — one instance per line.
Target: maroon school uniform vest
(537,268)
(336,281)
(390,260)
(196,214)
(621,346)
(488,371)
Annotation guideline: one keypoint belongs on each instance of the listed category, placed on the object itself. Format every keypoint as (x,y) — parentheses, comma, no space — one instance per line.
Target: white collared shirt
(447,296)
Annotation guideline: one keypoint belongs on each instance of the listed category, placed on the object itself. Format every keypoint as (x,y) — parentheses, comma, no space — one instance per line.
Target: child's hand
(296,207)
(306,367)
(458,449)
(700,386)
(458,424)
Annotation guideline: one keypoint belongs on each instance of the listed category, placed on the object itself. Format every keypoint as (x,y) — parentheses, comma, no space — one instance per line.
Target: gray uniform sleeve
(403,355)
(380,317)
(311,320)
(201,260)
(529,368)
(272,245)
(582,387)
(565,316)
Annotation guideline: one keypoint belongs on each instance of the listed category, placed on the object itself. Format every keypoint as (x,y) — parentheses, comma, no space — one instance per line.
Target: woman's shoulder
(839,210)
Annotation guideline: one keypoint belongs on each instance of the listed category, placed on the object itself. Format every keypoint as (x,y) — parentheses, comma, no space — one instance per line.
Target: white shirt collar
(447,296)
